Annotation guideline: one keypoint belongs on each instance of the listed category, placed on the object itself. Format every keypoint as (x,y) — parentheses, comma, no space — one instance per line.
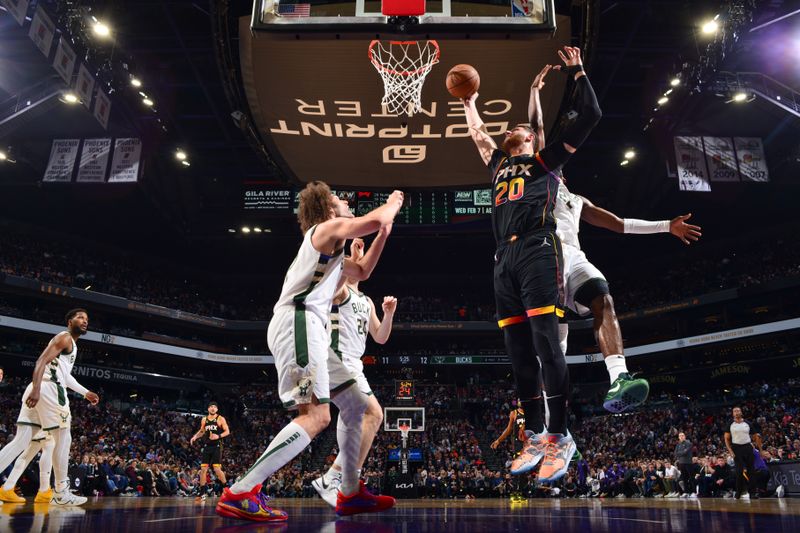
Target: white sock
(616,366)
(46,464)
(287,445)
(22,461)
(334,473)
(63,441)
(563,333)
(17,445)
(352,404)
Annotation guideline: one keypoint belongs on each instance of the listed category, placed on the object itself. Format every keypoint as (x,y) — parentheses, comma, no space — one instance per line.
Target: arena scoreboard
(404,389)
(420,207)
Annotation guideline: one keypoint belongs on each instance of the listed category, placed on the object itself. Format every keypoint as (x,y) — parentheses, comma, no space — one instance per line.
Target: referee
(740,446)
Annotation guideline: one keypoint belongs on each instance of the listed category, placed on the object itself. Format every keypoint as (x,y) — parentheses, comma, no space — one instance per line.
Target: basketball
(463,81)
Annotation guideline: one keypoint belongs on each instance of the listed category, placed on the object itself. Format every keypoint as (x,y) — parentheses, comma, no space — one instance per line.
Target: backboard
(394,417)
(315,98)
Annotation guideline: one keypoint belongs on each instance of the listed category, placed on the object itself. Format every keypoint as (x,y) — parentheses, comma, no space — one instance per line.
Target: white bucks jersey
(350,328)
(568,216)
(59,368)
(311,280)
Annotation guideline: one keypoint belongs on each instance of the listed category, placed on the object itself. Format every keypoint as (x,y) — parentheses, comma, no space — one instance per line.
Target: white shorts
(577,271)
(300,344)
(356,369)
(51,411)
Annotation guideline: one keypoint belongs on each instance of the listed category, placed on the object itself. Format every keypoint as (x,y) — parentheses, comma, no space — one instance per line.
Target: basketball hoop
(404,429)
(403,66)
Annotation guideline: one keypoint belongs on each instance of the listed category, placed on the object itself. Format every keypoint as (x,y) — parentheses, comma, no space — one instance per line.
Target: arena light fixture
(136,82)
(710,27)
(69,98)
(245,229)
(624,162)
(669,92)
(674,82)
(630,153)
(3,156)
(180,155)
(101,29)
(147,102)
(741,96)
(663,100)
(257,229)
(185,163)
(231,230)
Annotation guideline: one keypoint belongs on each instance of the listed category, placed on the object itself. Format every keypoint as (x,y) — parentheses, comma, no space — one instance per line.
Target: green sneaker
(577,456)
(626,393)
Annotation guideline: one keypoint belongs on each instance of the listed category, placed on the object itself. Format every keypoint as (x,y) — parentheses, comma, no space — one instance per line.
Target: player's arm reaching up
(331,234)
(597,216)
(477,129)
(59,343)
(535,107)
(382,329)
(199,431)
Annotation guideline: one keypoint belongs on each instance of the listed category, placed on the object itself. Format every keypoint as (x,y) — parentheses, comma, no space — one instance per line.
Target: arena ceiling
(186,53)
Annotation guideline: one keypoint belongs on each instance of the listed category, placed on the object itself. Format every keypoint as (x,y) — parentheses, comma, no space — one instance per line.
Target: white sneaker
(746,496)
(693,496)
(327,491)
(780,491)
(67,498)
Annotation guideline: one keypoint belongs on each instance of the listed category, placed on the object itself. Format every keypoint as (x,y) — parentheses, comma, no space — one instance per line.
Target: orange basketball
(463,81)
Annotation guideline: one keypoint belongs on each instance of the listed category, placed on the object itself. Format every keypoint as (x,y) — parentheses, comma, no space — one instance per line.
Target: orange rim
(380,66)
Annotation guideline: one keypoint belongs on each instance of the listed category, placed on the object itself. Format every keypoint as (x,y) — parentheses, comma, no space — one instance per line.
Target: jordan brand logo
(544,242)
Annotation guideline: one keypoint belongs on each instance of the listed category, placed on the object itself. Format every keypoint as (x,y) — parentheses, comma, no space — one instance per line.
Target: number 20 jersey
(525,192)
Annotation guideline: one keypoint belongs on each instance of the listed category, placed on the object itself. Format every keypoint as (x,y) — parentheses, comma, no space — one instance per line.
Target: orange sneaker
(532,452)
(558,451)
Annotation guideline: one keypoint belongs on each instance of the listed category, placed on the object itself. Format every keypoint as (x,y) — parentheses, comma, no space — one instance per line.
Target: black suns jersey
(525,191)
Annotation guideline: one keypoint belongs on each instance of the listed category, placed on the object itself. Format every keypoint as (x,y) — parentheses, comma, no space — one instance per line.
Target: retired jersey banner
(102,108)
(17,8)
(64,62)
(752,163)
(125,164)
(42,31)
(62,160)
(691,161)
(94,160)
(721,159)
(85,85)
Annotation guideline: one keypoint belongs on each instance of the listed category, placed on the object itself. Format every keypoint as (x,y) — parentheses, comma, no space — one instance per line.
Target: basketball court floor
(155,515)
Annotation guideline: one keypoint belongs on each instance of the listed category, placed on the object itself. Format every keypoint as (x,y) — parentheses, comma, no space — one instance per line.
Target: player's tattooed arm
(477,129)
(535,107)
(340,228)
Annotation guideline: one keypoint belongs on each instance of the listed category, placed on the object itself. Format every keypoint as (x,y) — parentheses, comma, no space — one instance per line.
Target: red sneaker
(362,501)
(249,506)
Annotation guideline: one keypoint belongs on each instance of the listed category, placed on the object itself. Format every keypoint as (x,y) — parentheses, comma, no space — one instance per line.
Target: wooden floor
(156,515)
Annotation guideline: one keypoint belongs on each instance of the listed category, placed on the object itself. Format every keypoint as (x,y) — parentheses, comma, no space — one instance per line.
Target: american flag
(294,10)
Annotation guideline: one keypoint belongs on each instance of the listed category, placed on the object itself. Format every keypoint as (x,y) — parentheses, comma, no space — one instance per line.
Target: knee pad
(590,290)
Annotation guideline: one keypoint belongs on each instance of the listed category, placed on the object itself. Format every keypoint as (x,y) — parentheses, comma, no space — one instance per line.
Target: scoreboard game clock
(404,389)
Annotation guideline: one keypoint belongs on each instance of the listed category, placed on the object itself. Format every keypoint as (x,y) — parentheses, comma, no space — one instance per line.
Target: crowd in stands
(142,448)
(132,277)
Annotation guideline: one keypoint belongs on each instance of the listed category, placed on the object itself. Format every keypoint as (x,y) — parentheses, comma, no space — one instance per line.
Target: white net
(403,66)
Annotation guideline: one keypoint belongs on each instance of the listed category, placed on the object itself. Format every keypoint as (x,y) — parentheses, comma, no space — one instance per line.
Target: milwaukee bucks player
(353,316)
(213,428)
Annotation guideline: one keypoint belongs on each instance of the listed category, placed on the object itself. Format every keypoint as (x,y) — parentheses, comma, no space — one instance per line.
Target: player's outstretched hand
(396,199)
(92,398)
(494,445)
(685,232)
(471,99)
(389,305)
(538,81)
(571,56)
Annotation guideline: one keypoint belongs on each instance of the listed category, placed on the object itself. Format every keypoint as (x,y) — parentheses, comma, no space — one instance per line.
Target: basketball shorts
(50,412)
(577,272)
(355,367)
(212,455)
(528,278)
(306,366)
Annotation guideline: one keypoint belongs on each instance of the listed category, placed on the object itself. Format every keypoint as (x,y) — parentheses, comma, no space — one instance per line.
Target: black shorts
(212,455)
(528,278)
